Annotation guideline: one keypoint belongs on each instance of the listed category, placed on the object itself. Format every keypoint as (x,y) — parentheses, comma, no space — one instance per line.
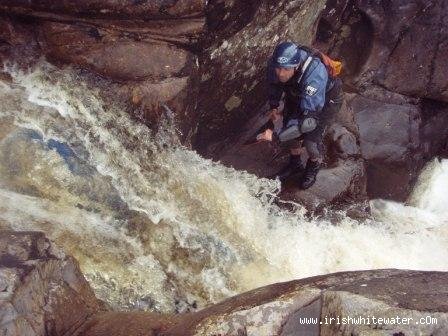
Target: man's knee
(295,128)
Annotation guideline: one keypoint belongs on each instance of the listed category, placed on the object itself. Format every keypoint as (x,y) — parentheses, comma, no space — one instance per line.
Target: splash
(155,226)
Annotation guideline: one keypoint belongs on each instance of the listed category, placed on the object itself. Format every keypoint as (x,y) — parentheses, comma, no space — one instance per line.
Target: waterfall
(155,226)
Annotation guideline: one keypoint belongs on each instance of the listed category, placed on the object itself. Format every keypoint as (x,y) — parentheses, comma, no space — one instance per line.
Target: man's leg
(314,140)
(314,146)
(294,166)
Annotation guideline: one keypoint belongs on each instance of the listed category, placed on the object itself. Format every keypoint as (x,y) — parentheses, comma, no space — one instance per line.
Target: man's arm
(314,89)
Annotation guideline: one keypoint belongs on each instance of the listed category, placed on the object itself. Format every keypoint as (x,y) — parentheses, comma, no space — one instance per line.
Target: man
(310,97)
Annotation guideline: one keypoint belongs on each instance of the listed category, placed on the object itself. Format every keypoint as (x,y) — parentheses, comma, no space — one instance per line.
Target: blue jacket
(308,94)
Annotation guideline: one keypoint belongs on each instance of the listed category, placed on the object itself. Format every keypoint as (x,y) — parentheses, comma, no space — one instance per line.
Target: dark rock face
(113,55)
(393,71)
(389,138)
(278,309)
(433,130)
(142,49)
(140,9)
(43,290)
(418,36)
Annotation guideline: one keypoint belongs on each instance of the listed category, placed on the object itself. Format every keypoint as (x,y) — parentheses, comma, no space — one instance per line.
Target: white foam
(220,232)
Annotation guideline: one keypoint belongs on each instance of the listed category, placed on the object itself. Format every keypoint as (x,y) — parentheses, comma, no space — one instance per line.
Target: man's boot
(309,177)
(294,166)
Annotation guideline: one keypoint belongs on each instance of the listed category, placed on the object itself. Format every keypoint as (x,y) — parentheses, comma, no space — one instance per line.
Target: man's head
(286,59)
(285,74)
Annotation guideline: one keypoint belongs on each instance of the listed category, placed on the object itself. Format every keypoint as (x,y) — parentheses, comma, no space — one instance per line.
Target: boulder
(400,45)
(433,130)
(380,302)
(42,290)
(341,143)
(346,180)
(390,140)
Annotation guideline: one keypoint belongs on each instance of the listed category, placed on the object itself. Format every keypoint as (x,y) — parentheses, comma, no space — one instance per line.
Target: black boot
(309,177)
(294,166)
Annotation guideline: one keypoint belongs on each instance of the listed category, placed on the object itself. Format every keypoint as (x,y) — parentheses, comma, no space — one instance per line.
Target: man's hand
(275,115)
(265,136)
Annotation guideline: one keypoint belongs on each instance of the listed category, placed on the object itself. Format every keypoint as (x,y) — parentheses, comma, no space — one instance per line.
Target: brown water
(155,226)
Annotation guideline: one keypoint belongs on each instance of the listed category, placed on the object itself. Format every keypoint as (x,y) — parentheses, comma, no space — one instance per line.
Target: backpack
(334,67)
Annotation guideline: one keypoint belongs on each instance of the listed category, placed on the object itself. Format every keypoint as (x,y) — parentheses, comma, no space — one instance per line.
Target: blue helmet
(286,55)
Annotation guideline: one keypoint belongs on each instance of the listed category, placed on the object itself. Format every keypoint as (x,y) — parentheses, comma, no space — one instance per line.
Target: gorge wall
(205,61)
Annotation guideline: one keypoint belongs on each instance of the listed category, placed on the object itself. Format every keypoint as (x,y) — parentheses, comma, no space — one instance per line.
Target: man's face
(284,74)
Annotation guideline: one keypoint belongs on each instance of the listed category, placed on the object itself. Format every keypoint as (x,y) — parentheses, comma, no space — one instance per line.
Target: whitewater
(155,226)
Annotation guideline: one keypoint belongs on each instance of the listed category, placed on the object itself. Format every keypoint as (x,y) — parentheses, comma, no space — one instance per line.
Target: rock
(129,323)
(42,290)
(130,9)
(398,45)
(345,33)
(389,139)
(415,64)
(392,54)
(388,132)
(141,50)
(333,185)
(17,42)
(279,309)
(111,54)
(433,132)
(342,143)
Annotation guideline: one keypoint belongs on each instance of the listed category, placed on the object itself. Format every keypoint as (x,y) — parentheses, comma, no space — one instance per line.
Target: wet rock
(345,180)
(389,139)
(433,130)
(112,54)
(345,32)
(132,323)
(18,43)
(386,293)
(142,50)
(388,132)
(279,309)
(397,45)
(42,290)
(414,66)
(342,143)
(392,53)
(110,8)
